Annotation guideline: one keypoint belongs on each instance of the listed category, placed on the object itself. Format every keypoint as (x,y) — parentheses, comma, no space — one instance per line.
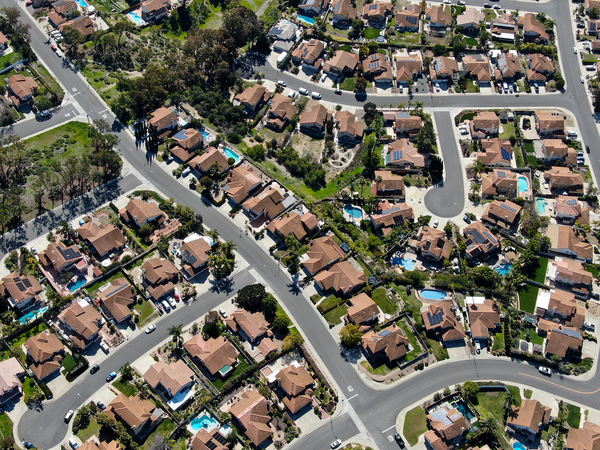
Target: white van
(166,306)
(572,134)
(73,443)
(315,95)
(477,347)
(291,94)
(186,172)
(69,415)
(104,347)
(303,91)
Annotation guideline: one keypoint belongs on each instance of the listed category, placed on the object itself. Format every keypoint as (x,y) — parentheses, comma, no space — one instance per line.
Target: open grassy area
(533,336)
(329,302)
(387,305)
(348,84)
(92,429)
(20,339)
(508,130)
(438,350)
(334,316)
(527,298)
(68,363)
(404,38)
(471,88)
(498,341)
(540,274)
(371,33)
(414,341)
(491,403)
(10,59)
(471,41)
(6,425)
(29,386)
(242,365)
(95,288)
(165,428)
(573,416)
(145,309)
(516,393)
(415,424)
(379,369)
(125,387)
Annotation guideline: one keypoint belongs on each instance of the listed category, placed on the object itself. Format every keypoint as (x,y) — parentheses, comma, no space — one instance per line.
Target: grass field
(471,41)
(533,336)
(371,33)
(242,365)
(415,424)
(528,393)
(498,341)
(329,302)
(471,88)
(95,288)
(528,298)
(379,369)
(380,297)
(334,316)
(438,350)
(19,340)
(491,403)
(145,309)
(6,425)
(92,429)
(165,428)
(540,274)
(574,415)
(125,387)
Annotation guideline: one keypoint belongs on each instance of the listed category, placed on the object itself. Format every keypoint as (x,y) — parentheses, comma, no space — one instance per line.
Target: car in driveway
(466,219)
(223,313)
(94,369)
(336,443)
(399,440)
(150,329)
(435,224)
(545,371)
(589,326)
(111,376)
(172,302)
(101,406)
(81,222)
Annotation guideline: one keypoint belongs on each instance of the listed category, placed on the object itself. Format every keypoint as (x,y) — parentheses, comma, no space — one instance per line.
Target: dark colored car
(94,369)
(466,219)
(399,440)
(101,406)
(587,148)
(28,444)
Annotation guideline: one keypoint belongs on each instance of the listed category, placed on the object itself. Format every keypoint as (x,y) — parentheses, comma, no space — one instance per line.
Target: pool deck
(352,219)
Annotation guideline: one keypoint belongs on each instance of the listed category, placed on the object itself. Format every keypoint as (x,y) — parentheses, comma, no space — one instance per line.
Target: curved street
(376,409)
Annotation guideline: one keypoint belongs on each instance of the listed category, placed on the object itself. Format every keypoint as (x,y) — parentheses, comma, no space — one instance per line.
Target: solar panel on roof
(490,237)
(187,256)
(372,6)
(180,135)
(435,318)
(114,291)
(20,286)
(477,237)
(505,154)
(397,154)
(509,208)
(454,417)
(68,253)
(374,65)
(568,332)
(572,202)
(384,333)
(26,282)
(439,243)
(501,174)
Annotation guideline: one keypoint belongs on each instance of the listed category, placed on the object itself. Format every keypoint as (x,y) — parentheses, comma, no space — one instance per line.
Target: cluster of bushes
(304,168)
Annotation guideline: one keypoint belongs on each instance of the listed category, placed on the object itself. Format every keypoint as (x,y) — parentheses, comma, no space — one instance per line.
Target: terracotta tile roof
(454,334)
(64,7)
(479,66)
(529,415)
(104,238)
(540,63)
(189,139)
(480,240)
(163,118)
(572,271)
(495,151)
(344,61)
(182,154)
(43,346)
(389,182)
(56,18)
(483,317)
(378,67)
(282,107)
(470,16)
(375,10)
(209,440)
(253,96)
(388,219)
(161,290)
(403,152)
(435,440)
(554,148)
(407,67)
(564,305)
(204,162)
(84,24)
(9,371)
(194,254)
(253,412)
(408,18)
(592,4)
(89,445)
(118,299)
(486,120)
(322,252)
(294,380)
(20,288)
(390,343)
(42,369)
(362,310)
(269,202)
(549,122)
(343,10)
(341,277)
(293,223)
(266,346)
(308,51)
(59,255)
(112,445)
(136,208)
(562,340)
(561,178)
(451,425)
(585,438)
(533,26)
(134,411)
(159,270)
(84,320)
(348,126)
(505,212)
(444,67)
(406,123)
(564,238)
(254,325)
(499,182)
(433,242)
(316,117)
(567,206)
(242,180)
(173,377)
(213,353)
(437,14)
(439,316)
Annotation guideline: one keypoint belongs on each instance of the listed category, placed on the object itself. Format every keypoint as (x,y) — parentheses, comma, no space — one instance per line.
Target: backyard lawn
(165,428)
(242,365)
(6,425)
(491,403)
(471,41)
(508,130)
(533,336)
(125,387)
(92,429)
(334,316)
(371,33)
(95,288)
(19,340)
(379,369)
(387,305)
(528,298)
(328,303)
(415,424)
(574,415)
(540,274)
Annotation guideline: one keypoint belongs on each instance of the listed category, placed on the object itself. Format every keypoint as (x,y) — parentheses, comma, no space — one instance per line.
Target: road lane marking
(350,388)
(388,429)
(74,89)
(355,395)
(560,386)
(67,114)
(390,438)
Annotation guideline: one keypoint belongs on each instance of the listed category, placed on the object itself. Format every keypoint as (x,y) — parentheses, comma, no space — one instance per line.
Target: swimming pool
(541,205)
(136,18)
(205,421)
(231,154)
(308,20)
(205,134)
(464,409)
(82,3)
(503,269)
(519,446)
(406,263)
(74,286)
(522,185)
(433,294)
(32,315)
(353,211)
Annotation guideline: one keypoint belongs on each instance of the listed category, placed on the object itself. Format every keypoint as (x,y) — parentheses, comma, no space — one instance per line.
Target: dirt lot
(306,145)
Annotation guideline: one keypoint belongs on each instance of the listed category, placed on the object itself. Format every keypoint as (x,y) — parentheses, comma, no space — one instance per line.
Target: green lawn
(387,305)
(471,41)
(145,309)
(592,269)
(516,393)
(92,429)
(165,428)
(95,288)
(491,403)
(540,274)
(29,386)
(346,48)
(534,337)
(379,369)
(415,424)
(328,303)
(334,316)
(348,84)
(438,349)
(404,38)
(589,58)
(6,425)
(371,33)
(125,387)
(529,147)
(471,88)
(10,59)
(498,341)
(489,15)
(242,365)
(528,393)
(414,342)
(19,340)
(574,415)
(509,130)
(68,363)
(528,298)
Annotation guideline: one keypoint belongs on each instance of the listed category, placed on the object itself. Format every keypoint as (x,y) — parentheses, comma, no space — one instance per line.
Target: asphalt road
(342,427)
(376,409)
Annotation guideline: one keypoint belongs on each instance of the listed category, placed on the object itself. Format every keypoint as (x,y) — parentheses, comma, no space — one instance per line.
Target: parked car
(338,91)
(104,347)
(45,114)
(575,50)
(73,443)
(336,443)
(545,371)
(94,369)
(172,302)
(461,3)
(303,91)
(487,5)
(223,313)
(282,83)
(150,329)
(315,95)
(582,79)
(496,6)
(28,444)
(435,224)
(166,306)
(69,415)
(398,438)
(587,149)
(111,376)
(466,219)
(59,53)
(589,326)
(101,406)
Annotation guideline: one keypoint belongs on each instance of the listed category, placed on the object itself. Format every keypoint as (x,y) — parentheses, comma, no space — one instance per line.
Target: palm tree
(401,105)
(214,235)
(418,106)
(477,168)
(176,331)
(292,242)
(488,426)
(228,247)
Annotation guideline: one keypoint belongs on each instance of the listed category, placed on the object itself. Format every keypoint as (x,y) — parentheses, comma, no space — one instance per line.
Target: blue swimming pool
(231,154)
(82,3)
(353,211)
(464,409)
(406,263)
(308,20)
(519,446)
(136,18)
(205,134)
(504,269)
(32,315)
(541,204)
(204,421)
(74,286)
(433,294)
(523,185)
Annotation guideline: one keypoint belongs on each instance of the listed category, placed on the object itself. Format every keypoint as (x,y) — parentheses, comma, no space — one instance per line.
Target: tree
(257,152)
(213,234)
(176,331)
(594,13)
(470,390)
(269,307)
(42,103)
(251,297)
(211,325)
(371,112)
(560,81)
(105,421)
(350,335)
(121,27)
(439,50)
(477,168)
(291,341)
(227,248)
(126,371)
(426,138)
(281,322)
(72,37)
(489,426)
(160,442)
(360,85)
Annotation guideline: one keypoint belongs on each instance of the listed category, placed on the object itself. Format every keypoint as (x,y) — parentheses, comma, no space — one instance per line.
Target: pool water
(464,409)
(353,211)
(74,286)
(205,134)
(541,205)
(32,315)
(522,185)
(204,421)
(406,263)
(518,446)
(82,3)
(433,294)
(308,20)
(231,154)
(503,269)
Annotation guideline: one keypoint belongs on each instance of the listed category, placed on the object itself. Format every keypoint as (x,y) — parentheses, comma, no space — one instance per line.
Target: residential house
(569,210)
(350,130)
(496,152)
(251,326)
(570,273)
(315,120)
(485,122)
(386,345)
(478,67)
(483,317)
(284,34)
(444,68)
(375,13)
(549,124)
(162,121)
(253,98)
(252,413)
(585,438)
(432,244)
(533,29)
(118,299)
(470,19)
(561,340)
(341,278)
(504,28)
(503,213)
(308,53)
(391,216)
(159,276)
(45,352)
(589,4)
(242,182)
(281,112)
(209,440)
(4,42)
(138,213)
(21,292)
(218,357)
(343,12)
(84,24)
(194,256)
(343,63)
(362,311)
(169,379)
(139,415)
(557,150)
(403,154)
(566,240)
(499,183)
(203,164)
(407,19)
(313,7)
(593,25)
(11,374)
(560,306)
(439,318)
(188,141)
(112,445)
(481,242)
(540,69)
(560,179)
(296,383)
(293,223)
(61,257)
(21,89)
(379,69)
(439,20)
(388,184)
(405,125)
(528,418)
(446,425)
(103,239)
(509,67)
(408,67)
(62,10)
(268,203)
(84,321)
(322,252)
(155,9)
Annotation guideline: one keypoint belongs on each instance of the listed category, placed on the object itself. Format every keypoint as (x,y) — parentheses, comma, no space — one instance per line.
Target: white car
(435,224)
(545,371)
(150,329)
(223,313)
(447,2)
(582,79)
(460,3)
(282,83)
(336,443)
(496,6)
(575,50)
(171,301)
(437,87)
